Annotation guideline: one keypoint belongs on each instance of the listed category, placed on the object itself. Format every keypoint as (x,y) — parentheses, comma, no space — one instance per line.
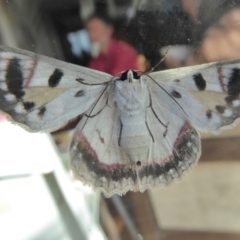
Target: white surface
(26,207)
(23,152)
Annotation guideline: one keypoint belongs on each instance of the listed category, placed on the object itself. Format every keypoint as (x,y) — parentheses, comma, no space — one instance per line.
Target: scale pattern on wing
(42,94)
(208,93)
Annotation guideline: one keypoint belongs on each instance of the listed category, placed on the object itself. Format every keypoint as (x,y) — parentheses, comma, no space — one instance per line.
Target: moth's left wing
(208,93)
(96,157)
(43,94)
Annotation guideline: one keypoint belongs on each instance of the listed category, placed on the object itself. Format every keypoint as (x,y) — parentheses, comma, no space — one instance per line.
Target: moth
(138,130)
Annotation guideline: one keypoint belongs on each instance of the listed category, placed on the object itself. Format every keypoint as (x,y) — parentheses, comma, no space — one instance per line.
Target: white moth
(138,131)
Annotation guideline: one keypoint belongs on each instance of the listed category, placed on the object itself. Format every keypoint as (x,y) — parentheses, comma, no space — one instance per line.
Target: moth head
(131,82)
(130,76)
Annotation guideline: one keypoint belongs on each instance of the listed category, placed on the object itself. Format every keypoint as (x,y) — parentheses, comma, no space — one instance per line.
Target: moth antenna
(153,68)
(163,58)
(106,104)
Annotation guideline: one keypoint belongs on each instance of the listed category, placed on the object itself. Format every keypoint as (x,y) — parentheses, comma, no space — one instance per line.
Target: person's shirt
(120,57)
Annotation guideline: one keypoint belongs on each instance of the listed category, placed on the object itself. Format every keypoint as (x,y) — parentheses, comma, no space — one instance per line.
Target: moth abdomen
(136,140)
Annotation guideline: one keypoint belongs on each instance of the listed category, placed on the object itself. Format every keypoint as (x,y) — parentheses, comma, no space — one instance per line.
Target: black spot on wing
(176,94)
(220,109)
(209,114)
(176,80)
(55,78)
(199,81)
(229,99)
(234,83)
(80,93)
(100,137)
(28,106)
(41,111)
(14,78)
(5,106)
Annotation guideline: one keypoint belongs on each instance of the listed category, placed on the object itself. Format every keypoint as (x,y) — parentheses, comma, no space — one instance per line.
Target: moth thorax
(130,97)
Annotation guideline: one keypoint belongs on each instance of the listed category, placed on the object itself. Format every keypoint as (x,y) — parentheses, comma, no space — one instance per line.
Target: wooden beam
(190,235)
(221,149)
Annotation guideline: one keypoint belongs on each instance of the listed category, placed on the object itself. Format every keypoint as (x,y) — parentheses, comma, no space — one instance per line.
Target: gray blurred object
(23,26)
(116,9)
(178,52)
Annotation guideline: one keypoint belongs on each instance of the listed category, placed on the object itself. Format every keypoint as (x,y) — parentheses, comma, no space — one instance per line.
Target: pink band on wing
(90,150)
(31,72)
(182,131)
(220,78)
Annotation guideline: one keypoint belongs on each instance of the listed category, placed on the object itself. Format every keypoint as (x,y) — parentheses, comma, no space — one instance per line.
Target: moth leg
(95,106)
(94,115)
(150,105)
(167,94)
(149,131)
(106,104)
(120,134)
(80,80)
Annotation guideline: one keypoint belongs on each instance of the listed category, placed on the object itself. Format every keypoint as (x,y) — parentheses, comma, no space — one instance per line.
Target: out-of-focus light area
(79,41)
(29,163)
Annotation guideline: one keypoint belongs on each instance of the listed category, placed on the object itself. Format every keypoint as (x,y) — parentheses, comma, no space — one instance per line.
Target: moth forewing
(42,93)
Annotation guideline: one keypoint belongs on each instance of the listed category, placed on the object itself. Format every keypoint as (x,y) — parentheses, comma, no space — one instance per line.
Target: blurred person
(108,54)
(221,41)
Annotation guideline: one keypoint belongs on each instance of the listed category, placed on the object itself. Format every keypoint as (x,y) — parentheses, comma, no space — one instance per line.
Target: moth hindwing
(138,131)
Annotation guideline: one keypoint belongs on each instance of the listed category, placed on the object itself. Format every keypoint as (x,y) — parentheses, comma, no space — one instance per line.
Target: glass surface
(203,204)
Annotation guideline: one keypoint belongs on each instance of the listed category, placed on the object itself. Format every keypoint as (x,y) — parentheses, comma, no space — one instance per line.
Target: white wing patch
(138,131)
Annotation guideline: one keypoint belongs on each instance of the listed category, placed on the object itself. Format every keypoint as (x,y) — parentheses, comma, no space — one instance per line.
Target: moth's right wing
(209,94)
(42,94)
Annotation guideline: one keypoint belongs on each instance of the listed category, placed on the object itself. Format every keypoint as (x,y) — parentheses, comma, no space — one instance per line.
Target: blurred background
(39,199)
